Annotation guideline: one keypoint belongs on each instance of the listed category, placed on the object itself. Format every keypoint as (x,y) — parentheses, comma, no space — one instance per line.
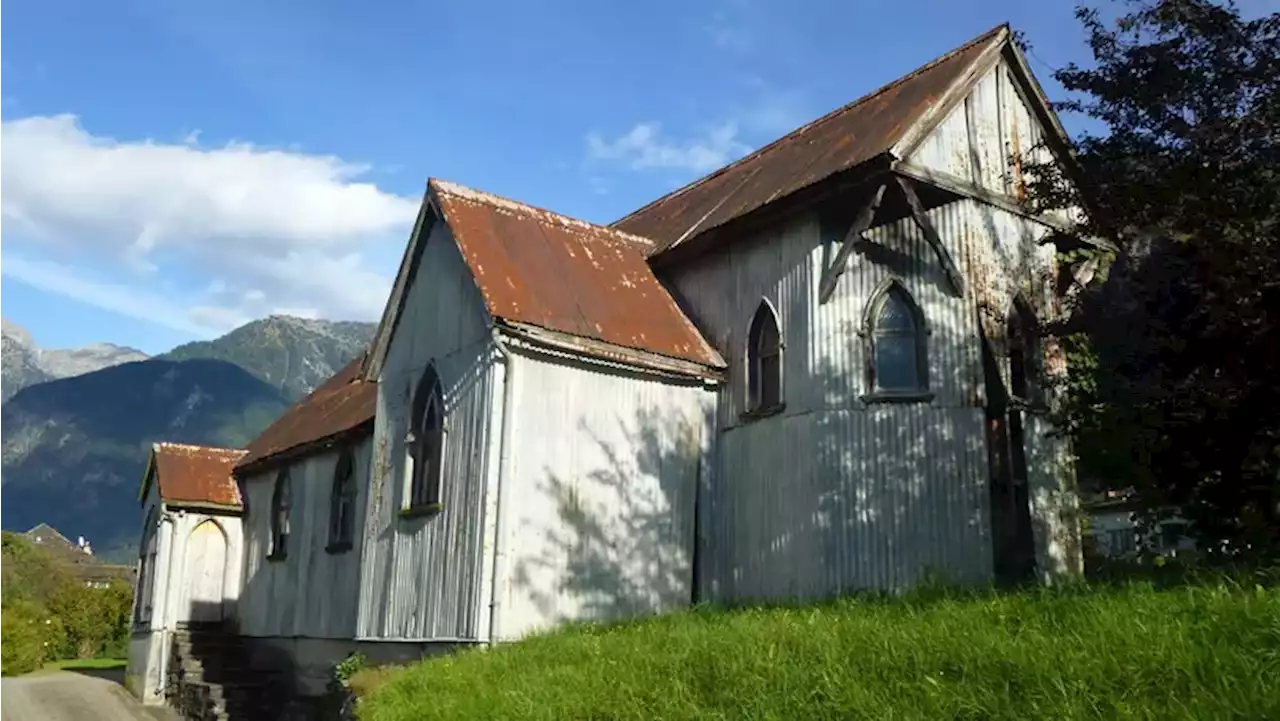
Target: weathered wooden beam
(832,274)
(968,189)
(931,233)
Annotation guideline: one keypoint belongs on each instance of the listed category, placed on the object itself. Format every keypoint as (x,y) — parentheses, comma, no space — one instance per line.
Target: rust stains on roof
(553,272)
(843,139)
(343,404)
(194,474)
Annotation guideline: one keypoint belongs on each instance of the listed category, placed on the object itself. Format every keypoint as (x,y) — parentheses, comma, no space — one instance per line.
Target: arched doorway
(205,573)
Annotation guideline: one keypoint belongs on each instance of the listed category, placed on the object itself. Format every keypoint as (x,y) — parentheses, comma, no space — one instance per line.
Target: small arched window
(426,442)
(764,360)
(342,503)
(898,364)
(280,516)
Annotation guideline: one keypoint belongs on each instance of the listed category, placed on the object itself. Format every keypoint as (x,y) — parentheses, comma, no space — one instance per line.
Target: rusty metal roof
(847,137)
(194,474)
(546,270)
(344,403)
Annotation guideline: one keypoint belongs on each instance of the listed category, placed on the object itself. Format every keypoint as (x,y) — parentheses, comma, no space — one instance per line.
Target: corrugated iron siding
(835,494)
(1004,255)
(603,493)
(423,577)
(311,592)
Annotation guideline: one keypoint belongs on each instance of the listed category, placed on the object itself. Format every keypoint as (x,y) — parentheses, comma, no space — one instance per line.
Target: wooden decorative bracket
(931,234)
(832,274)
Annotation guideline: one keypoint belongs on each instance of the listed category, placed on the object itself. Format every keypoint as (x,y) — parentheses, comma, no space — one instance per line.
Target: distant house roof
(83,563)
(188,474)
(865,129)
(343,404)
(539,269)
(43,534)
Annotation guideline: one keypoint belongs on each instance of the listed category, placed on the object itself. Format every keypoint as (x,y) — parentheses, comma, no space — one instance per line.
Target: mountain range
(25,363)
(78,423)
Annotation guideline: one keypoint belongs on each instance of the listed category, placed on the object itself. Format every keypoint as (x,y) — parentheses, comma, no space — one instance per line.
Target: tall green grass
(1130,652)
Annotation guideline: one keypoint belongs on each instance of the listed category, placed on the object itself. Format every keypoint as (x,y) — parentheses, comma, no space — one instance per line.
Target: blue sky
(174,169)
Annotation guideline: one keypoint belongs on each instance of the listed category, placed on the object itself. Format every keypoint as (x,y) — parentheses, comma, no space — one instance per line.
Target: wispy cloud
(263,228)
(645,147)
(131,300)
(771,111)
(732,27)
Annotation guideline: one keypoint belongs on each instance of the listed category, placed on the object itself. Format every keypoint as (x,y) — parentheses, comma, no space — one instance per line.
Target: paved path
(67,696)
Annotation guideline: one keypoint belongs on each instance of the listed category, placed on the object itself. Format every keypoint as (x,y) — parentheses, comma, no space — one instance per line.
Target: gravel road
(67,696)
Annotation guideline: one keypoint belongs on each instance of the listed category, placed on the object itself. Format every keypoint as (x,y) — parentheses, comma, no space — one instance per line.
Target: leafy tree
(1175,389)
(29,573)
(94,618)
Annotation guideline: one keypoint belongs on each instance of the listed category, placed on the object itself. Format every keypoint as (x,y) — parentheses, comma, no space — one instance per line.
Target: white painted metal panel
(946,148)
(990,138)
(423,576)
(602,497)
(312,592)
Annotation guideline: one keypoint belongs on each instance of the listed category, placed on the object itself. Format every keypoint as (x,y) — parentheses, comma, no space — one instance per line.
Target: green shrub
(96,619)
(1132,651)
(30,637)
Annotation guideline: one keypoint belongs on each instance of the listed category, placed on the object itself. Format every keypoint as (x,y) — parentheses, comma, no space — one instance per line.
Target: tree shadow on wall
(835,494)
(622,544)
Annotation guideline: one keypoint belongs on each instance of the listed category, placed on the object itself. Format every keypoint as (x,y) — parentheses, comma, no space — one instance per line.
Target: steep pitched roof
(193,474)
(344,403)
(548,272)
(865,129)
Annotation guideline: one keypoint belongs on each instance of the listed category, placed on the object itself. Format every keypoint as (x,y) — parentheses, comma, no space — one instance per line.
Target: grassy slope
(1211,651)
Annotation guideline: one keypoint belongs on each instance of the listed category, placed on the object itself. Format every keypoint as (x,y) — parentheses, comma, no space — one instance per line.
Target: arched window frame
(1024,352)
(342,503)
(426,446)
(281,498)
(874,336)
(764,362)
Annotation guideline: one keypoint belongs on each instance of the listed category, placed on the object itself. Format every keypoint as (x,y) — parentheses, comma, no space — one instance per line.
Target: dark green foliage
(50,614)
(1130,652)
(1175,391)
(294,355)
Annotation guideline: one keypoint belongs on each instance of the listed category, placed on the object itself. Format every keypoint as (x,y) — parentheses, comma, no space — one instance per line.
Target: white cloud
(644,147)
(261,228)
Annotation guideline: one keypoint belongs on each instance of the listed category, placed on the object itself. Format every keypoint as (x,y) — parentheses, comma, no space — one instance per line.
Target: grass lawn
(74,664)
(1132,652)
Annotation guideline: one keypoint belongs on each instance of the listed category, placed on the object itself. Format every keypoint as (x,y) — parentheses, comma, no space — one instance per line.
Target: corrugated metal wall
(601,502)
(311,592)
(423,577)
(834,493)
